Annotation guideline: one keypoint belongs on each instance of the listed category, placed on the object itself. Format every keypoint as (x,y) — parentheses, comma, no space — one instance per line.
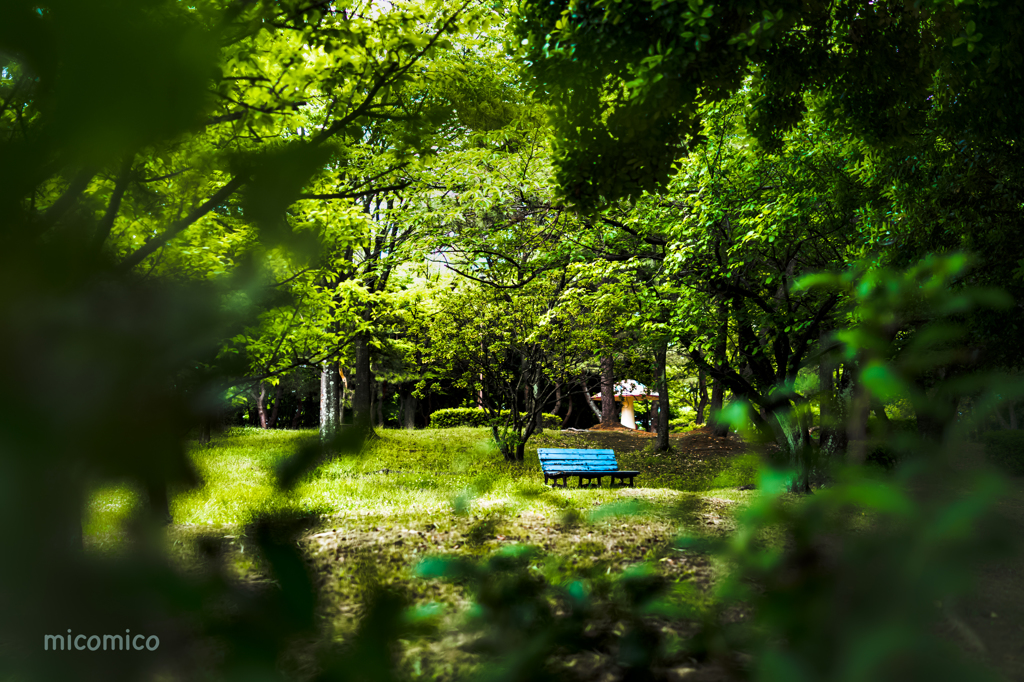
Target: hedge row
(477,416)
(1005,449)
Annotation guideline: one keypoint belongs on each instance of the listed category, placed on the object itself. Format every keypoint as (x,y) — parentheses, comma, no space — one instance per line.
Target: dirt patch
(619,438)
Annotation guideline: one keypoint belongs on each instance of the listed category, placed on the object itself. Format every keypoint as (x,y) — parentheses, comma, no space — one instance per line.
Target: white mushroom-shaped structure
(628,392)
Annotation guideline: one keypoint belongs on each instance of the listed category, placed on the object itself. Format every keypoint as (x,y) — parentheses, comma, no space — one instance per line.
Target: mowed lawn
(371,520)
(428,473)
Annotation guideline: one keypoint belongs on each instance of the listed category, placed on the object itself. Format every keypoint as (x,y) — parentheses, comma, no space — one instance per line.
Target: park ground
(370,520)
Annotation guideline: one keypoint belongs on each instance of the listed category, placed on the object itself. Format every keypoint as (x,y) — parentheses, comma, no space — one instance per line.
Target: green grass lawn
(411,495)
(426,473)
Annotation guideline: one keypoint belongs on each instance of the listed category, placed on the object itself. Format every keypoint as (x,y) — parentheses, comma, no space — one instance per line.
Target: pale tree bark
(343,394)
(408,409)
(608,391)
(590,403)
(329,400)
(260,409)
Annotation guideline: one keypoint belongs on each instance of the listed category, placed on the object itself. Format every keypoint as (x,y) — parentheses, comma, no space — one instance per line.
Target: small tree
(512,347)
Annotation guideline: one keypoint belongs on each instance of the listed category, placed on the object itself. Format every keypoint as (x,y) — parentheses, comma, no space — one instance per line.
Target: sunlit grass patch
(107,512)
(238,474)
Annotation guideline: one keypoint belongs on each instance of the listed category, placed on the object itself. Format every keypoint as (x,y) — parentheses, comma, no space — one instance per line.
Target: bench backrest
(566,459)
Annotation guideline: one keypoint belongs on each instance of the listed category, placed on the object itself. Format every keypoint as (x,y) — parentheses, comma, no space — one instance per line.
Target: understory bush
(452,417)
(680,423)
(1005,450)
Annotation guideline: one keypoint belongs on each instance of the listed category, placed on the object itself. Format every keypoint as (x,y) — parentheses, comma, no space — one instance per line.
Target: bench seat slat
(587,464)
(577,472)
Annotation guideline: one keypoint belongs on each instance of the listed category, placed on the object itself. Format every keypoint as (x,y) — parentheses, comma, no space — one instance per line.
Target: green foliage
(1005,449)
(628,80)
(536,623)
(866,564)
(681,423)
(477,416)
(866,571)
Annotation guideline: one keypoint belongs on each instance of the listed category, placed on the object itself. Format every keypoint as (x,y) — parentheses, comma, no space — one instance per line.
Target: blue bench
(561,463)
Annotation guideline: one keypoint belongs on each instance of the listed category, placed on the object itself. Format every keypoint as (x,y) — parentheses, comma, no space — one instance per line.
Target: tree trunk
(260,409)
(159,502)
(409,410)
(857,423)
(568,412)
(590,403)
(329,401)
(608,391)
(361,417)
(382,392)
(343,393)
(721,429)
(702,395)
(663,404)
(538,407)
(204,430)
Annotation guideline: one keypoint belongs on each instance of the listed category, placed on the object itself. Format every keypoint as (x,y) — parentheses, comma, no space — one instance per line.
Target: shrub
(452,417)
(680,423)
(1005,449)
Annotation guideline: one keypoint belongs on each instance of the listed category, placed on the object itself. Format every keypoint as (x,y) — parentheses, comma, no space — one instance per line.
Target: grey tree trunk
(409,410)
(608,391)
(590,403)
(329,421)
(663,404)
(702,395)
(343,394)
(260,409)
